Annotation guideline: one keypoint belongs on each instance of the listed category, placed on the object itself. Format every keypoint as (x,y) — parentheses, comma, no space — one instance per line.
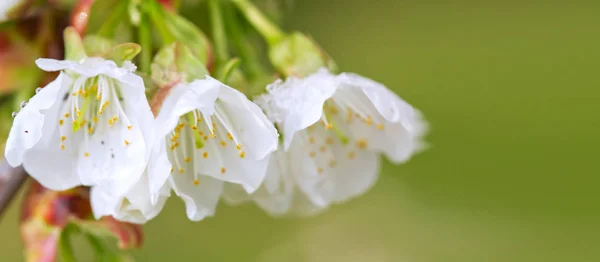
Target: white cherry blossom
(333,128)
(214,134)
(90,126)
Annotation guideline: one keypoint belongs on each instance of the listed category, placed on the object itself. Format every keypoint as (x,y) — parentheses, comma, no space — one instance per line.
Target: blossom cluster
(93,126)
(306,142)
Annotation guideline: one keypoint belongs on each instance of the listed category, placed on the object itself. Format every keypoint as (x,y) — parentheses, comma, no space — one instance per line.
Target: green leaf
(186,32)
(176,63)
(298,55)
(96,45)
(123,52)
(228,68)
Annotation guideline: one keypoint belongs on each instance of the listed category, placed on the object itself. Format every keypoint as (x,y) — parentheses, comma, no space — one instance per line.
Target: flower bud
(298,55)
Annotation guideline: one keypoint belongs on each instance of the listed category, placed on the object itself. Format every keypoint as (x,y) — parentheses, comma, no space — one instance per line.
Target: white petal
(300,101)
(328,171)
(135,207)
(394,126)
(111,164)
(275,194)
(27,126)
(244,140)
(158,170)
(89,67)
(201,199)
(251,126)
(185,98)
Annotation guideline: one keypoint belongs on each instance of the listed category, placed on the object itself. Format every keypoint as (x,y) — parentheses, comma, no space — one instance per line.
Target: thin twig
(15,178)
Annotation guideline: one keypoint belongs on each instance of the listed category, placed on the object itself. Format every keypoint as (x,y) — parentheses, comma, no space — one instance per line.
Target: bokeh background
(511,91)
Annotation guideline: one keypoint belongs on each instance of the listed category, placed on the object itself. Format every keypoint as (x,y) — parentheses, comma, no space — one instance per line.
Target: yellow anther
(196,182)
(188,159)
(78,113)
(205,155)
(311,140)
(98,97)
(74,94)
(126,142)
(238,146)
(95,119)
(80,91)
(86,154)
(369,121)
(323,149)
(352,155)
(115,119)
(362,143)
(379,126)
(213,135)
(62,147)
(172,170)
(223,143)
(67,115)
(194,127)
(129,127)
(111,122)
(329,126)
(320,170)
(214,130)
(61,122)
(332,163)
(329,141)
(312,154)
(181,170)
(242,154)
(90,130)
(63,138)
(223,170)
(205,138)
(229,136)
(201,133)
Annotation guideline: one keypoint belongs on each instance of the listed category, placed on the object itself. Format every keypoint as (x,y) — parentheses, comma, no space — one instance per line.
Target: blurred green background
(511,91)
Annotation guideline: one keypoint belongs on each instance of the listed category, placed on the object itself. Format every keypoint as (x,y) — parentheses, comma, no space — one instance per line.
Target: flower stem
(218,32)
(244,49)
(263,25)
(157,16)
(108,27)
(145,38)
(15,178)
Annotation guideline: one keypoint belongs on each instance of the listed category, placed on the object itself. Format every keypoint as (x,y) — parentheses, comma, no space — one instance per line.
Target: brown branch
(14,179)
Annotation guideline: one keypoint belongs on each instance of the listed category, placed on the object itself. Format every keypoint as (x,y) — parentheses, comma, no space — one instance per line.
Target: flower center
(93,106)
(202,144)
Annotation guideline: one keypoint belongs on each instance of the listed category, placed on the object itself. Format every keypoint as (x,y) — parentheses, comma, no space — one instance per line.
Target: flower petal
(200,199)
(185,98)
(327,170)
(387,122)
(300,101)
(251,126)
(26,131)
